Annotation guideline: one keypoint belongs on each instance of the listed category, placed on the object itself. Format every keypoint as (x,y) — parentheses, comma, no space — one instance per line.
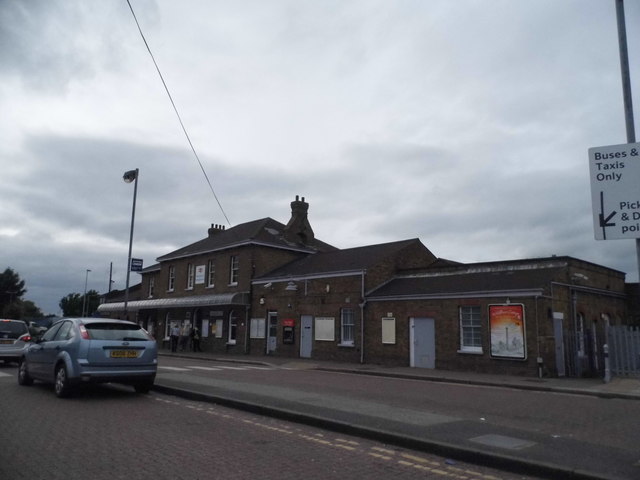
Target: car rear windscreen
(113,331)
(12,329)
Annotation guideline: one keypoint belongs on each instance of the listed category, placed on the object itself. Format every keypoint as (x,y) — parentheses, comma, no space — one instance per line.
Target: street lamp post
(128,177)
(84,298)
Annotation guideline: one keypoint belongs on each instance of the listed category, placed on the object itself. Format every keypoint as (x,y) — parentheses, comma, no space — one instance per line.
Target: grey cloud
(49,43)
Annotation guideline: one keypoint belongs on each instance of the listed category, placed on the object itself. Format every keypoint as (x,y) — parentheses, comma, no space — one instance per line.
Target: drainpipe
(247,313)
(362,305)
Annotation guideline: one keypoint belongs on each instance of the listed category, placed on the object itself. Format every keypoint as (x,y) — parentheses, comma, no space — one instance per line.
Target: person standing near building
(175,336)
(195,339)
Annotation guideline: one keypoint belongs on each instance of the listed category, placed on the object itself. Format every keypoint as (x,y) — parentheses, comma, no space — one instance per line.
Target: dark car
(91,350)
(14,339)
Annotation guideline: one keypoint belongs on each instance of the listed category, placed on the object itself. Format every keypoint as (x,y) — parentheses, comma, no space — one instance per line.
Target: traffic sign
(615,191)
(136,264)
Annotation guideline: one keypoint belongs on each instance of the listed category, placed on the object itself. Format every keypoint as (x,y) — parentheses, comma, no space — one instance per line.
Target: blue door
(422,342)
(306,336)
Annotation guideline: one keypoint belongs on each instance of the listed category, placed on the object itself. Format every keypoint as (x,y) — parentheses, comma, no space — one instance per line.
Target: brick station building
(266,288)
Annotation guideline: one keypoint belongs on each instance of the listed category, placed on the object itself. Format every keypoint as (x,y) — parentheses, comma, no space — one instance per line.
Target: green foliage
(22,310)
(11,288)
(72,304)
(30,310)
(11,292)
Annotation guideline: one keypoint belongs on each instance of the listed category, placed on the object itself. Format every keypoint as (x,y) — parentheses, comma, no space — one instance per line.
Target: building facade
(265,288)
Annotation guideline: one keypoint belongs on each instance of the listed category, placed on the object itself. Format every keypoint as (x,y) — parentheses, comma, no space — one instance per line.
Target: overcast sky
(463,123)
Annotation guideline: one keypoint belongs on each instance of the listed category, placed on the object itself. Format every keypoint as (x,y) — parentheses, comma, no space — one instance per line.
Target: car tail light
(26,338)
(83,332)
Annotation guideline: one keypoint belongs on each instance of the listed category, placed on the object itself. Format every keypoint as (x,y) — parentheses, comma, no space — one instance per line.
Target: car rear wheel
(23,374)
(62,385)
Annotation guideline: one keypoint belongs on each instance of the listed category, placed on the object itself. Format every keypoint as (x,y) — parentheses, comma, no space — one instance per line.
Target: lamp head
(130,176)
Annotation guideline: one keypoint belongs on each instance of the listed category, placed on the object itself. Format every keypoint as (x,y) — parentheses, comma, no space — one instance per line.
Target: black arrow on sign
(604,222)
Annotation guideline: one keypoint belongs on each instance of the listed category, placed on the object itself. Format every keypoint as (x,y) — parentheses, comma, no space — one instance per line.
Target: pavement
(406,428)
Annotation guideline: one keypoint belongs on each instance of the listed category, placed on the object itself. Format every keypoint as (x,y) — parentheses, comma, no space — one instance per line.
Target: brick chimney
(299,230)
(215,229)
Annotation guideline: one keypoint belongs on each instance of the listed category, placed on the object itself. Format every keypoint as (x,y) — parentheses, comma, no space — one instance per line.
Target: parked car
(36,329)
(14,339)
(92,350)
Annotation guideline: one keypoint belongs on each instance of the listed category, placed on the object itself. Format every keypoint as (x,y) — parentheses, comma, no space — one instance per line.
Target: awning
(241,298)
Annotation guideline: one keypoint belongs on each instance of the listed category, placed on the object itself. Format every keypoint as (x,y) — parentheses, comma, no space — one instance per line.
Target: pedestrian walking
(174,337)
(195,339)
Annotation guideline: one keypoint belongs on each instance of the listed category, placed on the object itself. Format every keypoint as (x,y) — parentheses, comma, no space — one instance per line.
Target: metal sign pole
(626,90)
(128,176)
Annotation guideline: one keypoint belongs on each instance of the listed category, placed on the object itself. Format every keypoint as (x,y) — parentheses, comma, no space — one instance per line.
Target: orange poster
(506,323)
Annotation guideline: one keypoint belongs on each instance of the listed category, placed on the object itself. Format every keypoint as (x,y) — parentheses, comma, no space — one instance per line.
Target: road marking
(2,374)
(441,469)
(217,368)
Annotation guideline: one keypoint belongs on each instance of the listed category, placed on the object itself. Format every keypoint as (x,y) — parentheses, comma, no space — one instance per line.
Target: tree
(72,304)
(22,310)
(11,290)
(30,310)
(93,301)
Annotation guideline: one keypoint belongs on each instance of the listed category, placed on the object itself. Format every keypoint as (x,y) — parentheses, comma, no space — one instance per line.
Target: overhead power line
(175,109)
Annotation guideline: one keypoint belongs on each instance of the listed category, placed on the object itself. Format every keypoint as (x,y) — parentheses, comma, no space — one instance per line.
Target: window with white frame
(219,323)
(172,279)
(167,326)
(234,269)
(190,276)
(211,273)
(347,326)
(152,284)
(470,329)
(257,327)
(325,329)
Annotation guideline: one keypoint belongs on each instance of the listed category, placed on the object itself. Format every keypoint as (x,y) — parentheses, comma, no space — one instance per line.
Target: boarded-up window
(325,329)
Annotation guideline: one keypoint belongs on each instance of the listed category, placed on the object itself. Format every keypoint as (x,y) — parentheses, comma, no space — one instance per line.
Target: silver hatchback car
(92,350)
(14,339)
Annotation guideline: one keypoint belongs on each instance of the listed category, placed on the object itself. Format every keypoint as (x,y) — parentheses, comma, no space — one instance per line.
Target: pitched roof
(265,231)
(347,260)
(468,282)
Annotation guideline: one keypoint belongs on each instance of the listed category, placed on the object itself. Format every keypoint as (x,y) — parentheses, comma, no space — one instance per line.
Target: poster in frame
(508,332)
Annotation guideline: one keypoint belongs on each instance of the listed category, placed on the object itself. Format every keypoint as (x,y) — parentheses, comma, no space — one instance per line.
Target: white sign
(615,191)
(200,271)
